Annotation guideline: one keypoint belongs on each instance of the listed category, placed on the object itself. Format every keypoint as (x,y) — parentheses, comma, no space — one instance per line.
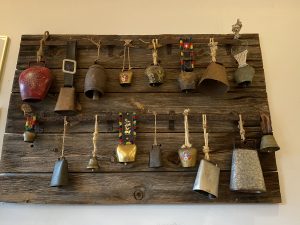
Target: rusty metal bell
(268,143)
(155,157)
(246,172)
(93,164)
(214,80)
(187,81)
(244,75)
(29,136)
(95,80)
(60,176)
(65,104)
(155,74)
(207,179)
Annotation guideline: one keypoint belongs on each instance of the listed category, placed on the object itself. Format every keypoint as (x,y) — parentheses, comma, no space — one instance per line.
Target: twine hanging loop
(127,44)
(213,49)
(64,136)
(187,143)
(205,135)
(95,136)
(241,127)
(40,52)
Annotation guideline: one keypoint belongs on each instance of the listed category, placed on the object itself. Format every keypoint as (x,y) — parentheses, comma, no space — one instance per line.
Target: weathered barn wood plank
(126,188)
(18,156)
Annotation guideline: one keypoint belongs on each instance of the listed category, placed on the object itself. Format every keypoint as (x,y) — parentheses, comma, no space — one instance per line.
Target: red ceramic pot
(34,83)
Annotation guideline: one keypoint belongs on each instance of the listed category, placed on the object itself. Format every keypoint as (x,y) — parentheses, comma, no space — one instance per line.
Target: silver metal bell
(268,144)
(60,176)
(155,157)
(207,179)
(246,172)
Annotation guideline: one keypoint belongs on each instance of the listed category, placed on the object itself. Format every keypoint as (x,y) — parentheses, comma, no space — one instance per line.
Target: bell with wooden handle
(187,153)
(246,171)
(93,162)
(155,152)
(214,80)
(207,179)
(65,104)
(268,142)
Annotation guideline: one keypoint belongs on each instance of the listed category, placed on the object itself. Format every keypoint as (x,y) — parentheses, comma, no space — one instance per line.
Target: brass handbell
(155,152)
(187,153)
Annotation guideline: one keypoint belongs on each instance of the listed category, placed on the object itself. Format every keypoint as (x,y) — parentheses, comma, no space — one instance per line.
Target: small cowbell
(214,80)
(60,176)
(155,74)
(155,157)
(95,80)
(126,77)
(207,179)
(126,153)
(93,164)
(244,73)
(65,104)
(187,81)
(29,136)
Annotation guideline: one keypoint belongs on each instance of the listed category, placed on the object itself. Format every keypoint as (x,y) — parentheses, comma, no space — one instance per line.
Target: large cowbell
(95,80)
(60,176)
(65,104)
(214,80)
(246,172)
(207,179)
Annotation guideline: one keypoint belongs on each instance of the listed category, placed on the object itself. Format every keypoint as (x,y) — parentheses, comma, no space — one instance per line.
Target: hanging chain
(40,52)
(241,127)
(95,136)
(64,135)
(205,135)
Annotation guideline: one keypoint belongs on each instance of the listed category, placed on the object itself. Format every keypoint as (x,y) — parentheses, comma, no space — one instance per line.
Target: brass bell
(214,80)
(126,153)
(126,77)
(187,81)
(29,136)
(207,179)
(95,80)
(65,104)
(93,164)
(60,176)
(155,74)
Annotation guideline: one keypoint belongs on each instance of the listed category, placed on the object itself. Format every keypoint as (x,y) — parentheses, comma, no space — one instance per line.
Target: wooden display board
(26,168)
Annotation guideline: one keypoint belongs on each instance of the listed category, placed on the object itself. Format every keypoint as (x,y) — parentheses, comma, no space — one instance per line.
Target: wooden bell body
(188,156)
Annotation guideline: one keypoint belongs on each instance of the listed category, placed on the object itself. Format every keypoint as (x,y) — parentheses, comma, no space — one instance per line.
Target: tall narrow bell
(188,156)
(187,81)
(214,80)
(268,144)
(244,75)
(207,179)
(126,153)
(93,164)
(65,104)
(60,176)
(95,80)
(246,172)
(155,157)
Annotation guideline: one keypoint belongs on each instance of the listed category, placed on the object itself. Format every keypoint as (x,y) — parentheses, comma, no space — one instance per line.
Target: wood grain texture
(26,168)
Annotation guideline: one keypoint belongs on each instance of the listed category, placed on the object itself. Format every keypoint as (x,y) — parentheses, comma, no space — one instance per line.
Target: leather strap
(71,54)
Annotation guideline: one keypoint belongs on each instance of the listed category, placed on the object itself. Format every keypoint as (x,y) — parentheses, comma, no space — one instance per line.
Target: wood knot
(138,195)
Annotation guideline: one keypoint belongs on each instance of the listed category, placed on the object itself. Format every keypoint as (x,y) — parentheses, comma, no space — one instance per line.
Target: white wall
(278,24)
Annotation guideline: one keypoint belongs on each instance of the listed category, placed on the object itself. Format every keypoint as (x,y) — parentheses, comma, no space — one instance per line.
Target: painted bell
(214,80)
(34,83)
(126,77)
(244,75)
(268,143)
(188,156)
(93,164)
(60,176)
(155,74)
(187,81)
(65,104)
(246,172)
(95,81)
(207,179)
(155,157)
(126,153)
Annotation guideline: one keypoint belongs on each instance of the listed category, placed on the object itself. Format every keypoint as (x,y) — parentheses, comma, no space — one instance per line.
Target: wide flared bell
(95,81)
(65,104)
(268,144)
(93,164)
(244,75)
(126,153)
(29,136)
(207,179)
(155,74)
(214,80)
(60,176)
(155,157)
(187,81)
(125,78)
(188,156)
(246,172)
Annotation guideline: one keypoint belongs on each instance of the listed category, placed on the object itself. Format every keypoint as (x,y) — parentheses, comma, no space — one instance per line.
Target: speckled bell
(214,80)
(60,176)
(125,78)
(207,179)
(268,143)
(187,81)
(244,75)
(93,164)
(95,81)
(155,74)
(246,172)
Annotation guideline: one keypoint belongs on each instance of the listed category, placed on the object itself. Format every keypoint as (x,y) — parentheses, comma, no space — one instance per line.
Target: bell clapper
(95,95)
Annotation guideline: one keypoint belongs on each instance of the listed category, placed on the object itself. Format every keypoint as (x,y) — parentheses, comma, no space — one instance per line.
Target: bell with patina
(214,80)
(60,176)
(187,81)
(155,74)
(268,144)
(244,75)
(95,81)
(65,104)
(34,83)
(93,164)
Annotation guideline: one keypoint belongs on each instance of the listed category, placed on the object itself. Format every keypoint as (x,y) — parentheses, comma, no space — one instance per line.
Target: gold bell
(93,164)
(126,153)
(126,78)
